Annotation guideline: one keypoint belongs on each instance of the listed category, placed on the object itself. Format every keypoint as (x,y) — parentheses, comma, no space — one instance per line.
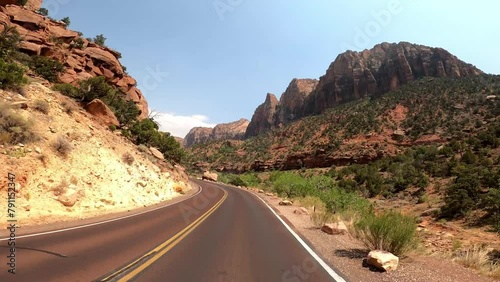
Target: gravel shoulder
(347,254)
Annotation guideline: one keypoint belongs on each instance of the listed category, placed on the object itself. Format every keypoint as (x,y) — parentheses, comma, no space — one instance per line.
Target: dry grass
(67,107)
(311,202)
(42,106)
(478,257)
(62,146)
(14,128)
(320,218)
(128,158)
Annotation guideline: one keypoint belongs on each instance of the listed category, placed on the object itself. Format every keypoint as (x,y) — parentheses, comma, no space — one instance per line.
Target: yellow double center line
(153,255)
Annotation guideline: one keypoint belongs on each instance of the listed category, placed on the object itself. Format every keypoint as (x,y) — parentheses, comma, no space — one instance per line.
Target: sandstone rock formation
(338,228)
(197,135)
(355,75)
(82,59)
(292,101)
(98,109)
(263,118)
(210,176)
(233,130)
(274,114)
(383,260)
(224,131)
(32,5)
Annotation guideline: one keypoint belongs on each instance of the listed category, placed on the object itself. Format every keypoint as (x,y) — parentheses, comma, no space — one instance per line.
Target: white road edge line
(328,269)
(100,222)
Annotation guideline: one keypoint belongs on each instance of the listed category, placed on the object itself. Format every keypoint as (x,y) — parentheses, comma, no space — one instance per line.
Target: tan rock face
(233,130)
(386,67)
(224,131)
(263,118)
(98,109)
(38,33)
(33,5)
(197,135)
(337,228)
(383,260)
(156,153)
(210,176)
(292,101)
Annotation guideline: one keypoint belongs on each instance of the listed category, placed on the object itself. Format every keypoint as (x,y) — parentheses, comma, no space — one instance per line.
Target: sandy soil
(92,180)
(347,255)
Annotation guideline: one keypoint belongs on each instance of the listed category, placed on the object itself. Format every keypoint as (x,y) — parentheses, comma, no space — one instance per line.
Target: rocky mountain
(355,75)
(225,131)
(263,118)
(197,135)
(82,59)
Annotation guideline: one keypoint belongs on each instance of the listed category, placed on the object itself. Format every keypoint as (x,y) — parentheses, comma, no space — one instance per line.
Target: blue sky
(203,62)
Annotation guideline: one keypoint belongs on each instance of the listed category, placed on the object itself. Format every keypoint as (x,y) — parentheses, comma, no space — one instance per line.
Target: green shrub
(66,20)
(67,89)
(99,40)
(22,2)
(43,11)
(389,231)
(462,196)
(237,181)
(47,68)
(11,75)
(9,42)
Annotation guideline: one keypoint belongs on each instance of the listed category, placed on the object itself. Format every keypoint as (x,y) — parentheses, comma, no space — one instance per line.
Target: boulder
(337,228)
(100,110)
(156,153)
(285,203)
(383,260)
(105,57)
(301,211)
(210,176)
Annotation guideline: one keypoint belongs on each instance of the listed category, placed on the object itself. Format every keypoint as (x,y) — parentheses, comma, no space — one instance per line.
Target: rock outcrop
(263,118)
(82,59)
(210,176)
(386,67)
(32,5)
(291,103)
(197,135)
(224,131)
(233,130)
(274,113)
(383,260)
(98,109)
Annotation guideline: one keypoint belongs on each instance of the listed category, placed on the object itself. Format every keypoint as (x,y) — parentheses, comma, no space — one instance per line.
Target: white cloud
(180,125)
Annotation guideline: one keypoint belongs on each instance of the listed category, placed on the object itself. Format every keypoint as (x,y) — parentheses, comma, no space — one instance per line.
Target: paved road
(220,234)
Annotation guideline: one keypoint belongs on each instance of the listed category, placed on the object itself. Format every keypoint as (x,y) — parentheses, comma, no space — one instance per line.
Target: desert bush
(99,40)
(66,20)
(311,202)
(42,106)
(128,158)
(320,218)
(237,181)
(47,68)
(389,231)
(474,257)
(79,43)
(62,146)
(9,42)
(11,75)
(43,11)
(14,128)
(67,107)
(67,89)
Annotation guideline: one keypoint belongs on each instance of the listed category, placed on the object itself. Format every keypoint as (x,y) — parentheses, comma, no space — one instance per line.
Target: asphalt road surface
(220,234)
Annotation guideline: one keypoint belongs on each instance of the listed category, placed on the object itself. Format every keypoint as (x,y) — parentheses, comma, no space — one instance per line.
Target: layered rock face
(292,101)
(32,5)
(233,130)
(82,59)
(225,131)
(264,117)
(197,135)
(355,75)
(274,113)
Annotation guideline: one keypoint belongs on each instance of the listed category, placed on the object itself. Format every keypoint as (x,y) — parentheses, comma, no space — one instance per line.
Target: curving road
(220,234)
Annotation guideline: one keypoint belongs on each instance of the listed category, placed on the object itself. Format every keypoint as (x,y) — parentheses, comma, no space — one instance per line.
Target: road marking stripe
(327,268)
(163,248)
(101,222)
